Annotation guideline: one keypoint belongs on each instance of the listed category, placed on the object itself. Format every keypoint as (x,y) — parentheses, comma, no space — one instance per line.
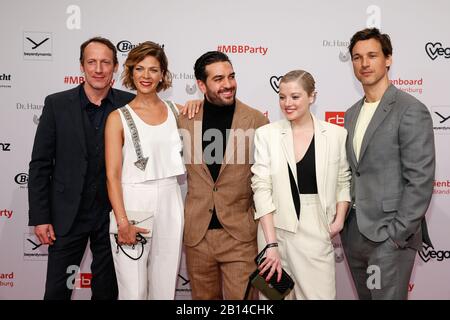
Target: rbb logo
(21,178)
(5,146)
(335,117)
(78,280)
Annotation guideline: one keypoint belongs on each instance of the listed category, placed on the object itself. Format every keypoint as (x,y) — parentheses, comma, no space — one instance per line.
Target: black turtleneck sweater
(217,118)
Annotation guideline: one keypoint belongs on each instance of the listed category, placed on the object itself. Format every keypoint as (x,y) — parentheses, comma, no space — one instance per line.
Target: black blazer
(59,160)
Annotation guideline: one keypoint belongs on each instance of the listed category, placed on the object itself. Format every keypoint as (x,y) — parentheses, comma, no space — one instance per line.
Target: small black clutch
(273,290)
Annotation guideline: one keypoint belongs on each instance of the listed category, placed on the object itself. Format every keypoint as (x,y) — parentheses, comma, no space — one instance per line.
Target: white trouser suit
(154,275)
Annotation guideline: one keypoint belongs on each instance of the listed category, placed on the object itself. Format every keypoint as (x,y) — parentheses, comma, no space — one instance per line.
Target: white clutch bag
(141,219)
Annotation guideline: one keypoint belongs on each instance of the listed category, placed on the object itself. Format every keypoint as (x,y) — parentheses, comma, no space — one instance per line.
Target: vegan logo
(435,50)
(275,83)
(427,253)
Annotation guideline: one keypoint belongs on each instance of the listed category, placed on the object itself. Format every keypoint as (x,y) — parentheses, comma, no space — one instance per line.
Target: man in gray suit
(390,148)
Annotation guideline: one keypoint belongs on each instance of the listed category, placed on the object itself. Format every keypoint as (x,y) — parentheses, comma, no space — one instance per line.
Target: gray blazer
(392,182)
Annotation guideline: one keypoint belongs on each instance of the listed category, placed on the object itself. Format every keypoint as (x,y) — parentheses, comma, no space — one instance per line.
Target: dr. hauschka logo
(414,86)
(441,187)
(28,106)
(21,179)
(344,56)
(7,279)
(33,250)
(191,86)
(36,119)
(5,146)
(441,119)
(428,252)
(5,80)
(37,45)
(341,45)
(436,49)
(335,117)
(242,49)
(338,251)
(275,83)
(191,89)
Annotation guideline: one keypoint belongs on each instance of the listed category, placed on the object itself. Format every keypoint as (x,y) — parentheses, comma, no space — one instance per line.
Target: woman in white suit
(301,186)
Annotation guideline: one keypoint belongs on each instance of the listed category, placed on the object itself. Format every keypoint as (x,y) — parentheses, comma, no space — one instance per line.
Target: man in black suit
(68,199)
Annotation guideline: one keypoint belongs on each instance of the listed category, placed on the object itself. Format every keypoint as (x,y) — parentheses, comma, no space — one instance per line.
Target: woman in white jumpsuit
(146,268)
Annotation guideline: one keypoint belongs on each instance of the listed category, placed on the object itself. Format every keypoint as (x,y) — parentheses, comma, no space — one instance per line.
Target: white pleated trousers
(154,275)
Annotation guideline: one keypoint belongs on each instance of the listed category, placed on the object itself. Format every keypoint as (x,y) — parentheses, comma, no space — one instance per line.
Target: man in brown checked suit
(219,231)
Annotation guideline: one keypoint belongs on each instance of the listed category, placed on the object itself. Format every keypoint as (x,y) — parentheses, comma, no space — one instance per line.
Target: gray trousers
(380,270)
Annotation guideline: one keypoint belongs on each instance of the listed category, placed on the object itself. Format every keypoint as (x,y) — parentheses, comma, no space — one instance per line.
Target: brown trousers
(219,266)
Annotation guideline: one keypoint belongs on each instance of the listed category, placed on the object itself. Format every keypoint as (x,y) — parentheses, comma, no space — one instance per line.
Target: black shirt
(216,121)
(306,171)
(95,113)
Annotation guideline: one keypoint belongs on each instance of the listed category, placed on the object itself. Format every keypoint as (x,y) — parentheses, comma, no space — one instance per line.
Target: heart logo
(432,48)
(425,252)
(275,83)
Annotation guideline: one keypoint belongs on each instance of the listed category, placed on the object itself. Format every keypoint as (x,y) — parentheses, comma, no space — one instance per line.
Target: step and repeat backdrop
(264,39)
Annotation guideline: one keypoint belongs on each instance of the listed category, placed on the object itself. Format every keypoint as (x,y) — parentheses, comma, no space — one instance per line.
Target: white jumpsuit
(156,189)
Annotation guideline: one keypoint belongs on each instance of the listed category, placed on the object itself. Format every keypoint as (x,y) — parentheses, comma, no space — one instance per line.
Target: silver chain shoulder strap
(141,162)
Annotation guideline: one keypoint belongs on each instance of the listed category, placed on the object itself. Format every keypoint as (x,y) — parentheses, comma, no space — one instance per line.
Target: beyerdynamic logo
(275,83)
(427,253)
(434,50)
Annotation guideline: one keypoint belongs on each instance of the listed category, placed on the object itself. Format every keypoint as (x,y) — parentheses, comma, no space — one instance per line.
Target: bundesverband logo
(441,187)
(33,250)
(7,279)
(441,119)
(275,83)
(5,80)
(335,117)
(409,85)
(427,253)
(436,49)
(37,45)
